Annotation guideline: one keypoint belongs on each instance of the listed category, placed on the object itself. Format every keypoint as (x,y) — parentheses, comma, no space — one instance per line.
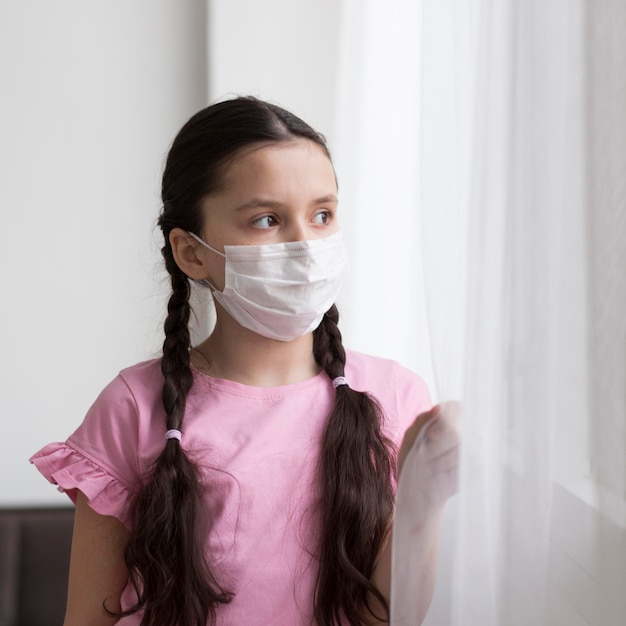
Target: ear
(188,254)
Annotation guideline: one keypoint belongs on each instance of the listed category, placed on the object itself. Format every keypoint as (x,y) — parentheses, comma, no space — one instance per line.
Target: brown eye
(323,217)
(266,221)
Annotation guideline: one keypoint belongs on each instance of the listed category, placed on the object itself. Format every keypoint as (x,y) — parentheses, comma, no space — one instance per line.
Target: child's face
(271,193)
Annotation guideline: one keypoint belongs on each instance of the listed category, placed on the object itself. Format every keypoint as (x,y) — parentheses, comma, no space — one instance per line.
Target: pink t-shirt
(257,451)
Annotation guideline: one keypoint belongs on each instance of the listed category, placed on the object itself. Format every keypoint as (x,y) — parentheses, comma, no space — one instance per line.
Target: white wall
(92,95)
(284,51)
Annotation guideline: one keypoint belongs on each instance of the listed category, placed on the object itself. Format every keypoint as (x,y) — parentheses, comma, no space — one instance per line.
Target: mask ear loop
(205,244)
(204,281)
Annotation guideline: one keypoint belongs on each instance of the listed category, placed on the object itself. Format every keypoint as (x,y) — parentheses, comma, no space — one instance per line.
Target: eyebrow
(256,203)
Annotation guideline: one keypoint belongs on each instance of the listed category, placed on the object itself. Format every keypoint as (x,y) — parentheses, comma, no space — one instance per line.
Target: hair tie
(173,434)
(340,380)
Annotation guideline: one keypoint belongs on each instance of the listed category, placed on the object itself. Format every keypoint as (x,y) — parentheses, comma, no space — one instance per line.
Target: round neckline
(242,389)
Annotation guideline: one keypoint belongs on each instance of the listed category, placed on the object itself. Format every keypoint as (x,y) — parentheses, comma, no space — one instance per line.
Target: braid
(165,550)
(357,502)
(328,350)
(175,363)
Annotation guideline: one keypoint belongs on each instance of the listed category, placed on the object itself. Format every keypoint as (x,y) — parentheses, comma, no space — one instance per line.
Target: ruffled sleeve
(112,451)
(66,467)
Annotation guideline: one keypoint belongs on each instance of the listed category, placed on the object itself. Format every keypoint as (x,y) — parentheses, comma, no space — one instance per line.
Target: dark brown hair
(165,552)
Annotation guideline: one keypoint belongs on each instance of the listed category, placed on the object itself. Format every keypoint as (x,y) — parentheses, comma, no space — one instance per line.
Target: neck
(236,353)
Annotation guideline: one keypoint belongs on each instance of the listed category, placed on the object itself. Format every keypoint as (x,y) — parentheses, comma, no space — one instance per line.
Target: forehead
(299,163)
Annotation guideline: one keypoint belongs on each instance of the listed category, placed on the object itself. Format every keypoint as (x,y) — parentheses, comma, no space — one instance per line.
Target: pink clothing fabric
(257,449)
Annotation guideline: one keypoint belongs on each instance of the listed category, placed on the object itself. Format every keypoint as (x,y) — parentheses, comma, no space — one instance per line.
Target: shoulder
(402,393)
(373,371)
(133,392)
(142,378)
(118,428)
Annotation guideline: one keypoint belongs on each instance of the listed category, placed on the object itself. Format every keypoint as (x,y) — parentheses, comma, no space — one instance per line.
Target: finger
(439,438)
(440,442)
(420,426)
(450,481)
(449,417)
(445,462)
(415,434)
(424,419)
(451,413)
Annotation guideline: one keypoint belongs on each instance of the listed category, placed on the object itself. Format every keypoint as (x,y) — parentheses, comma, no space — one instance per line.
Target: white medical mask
(281,290)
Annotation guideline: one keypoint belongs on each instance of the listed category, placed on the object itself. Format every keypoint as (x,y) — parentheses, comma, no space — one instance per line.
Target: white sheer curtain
(376,149)
(520,183)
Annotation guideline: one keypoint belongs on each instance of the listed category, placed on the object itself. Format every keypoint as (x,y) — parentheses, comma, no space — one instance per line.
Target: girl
(249,479)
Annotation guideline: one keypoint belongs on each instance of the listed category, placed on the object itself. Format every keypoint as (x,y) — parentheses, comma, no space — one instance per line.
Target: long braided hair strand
(356,471)
(172,580)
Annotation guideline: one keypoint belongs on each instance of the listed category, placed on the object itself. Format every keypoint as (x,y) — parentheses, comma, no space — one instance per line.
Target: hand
(430,452)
